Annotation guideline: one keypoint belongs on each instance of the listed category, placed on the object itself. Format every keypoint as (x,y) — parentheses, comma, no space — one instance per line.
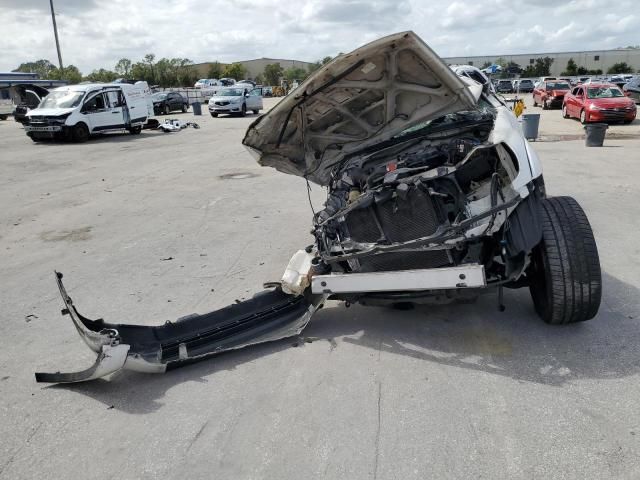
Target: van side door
(99,114)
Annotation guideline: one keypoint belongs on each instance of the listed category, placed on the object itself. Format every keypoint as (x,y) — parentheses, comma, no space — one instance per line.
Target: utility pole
(55,32)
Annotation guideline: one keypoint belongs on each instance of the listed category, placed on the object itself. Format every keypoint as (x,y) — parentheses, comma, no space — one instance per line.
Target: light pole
(55,32)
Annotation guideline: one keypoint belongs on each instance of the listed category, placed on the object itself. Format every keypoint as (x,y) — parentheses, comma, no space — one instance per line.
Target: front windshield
(604,92)
(62,99)
(231,92)
(558,86)
(159,96)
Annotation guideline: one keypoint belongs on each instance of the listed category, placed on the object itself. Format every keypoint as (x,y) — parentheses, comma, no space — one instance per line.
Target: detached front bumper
(269,315)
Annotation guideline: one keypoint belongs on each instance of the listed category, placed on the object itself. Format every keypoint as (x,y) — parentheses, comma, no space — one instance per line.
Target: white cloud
(96,34)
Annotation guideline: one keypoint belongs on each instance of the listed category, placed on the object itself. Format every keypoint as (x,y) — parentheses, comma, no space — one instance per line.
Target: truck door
(99,115)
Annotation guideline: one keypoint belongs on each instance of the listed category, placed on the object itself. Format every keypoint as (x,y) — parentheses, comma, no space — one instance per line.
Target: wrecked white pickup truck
(433,195)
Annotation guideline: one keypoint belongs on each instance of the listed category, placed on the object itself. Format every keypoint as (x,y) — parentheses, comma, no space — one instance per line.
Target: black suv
(166,102)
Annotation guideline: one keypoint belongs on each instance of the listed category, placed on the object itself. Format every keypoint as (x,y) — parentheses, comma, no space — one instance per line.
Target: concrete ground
(150,228)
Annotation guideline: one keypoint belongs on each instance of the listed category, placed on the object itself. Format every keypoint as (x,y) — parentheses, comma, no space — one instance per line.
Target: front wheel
(214,115)
(565,276)
(184,108)
(80,133)
(583,117)
(256,112)
(167,109)
(565,112)
(135,130)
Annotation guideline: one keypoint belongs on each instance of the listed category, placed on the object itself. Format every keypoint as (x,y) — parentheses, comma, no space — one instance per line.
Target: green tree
(581,71)
(272,74)
(70,74)
(215,70)
(235,71)
(620,67)
(295,73)
(540,68)
(123,67)
(149,59)
(312,67)
(571,69)
(42,67)
(326,60)
(101,75)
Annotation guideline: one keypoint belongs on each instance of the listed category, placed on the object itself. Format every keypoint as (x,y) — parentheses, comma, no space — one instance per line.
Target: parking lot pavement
(152,227)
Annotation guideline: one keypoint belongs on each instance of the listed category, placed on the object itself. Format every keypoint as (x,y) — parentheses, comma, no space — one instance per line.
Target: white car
(236,100)
(433,195)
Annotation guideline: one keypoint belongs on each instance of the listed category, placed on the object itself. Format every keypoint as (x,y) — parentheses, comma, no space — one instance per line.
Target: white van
(77,111)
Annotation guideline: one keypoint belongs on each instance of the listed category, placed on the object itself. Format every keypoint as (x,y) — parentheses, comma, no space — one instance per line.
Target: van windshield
(63,99)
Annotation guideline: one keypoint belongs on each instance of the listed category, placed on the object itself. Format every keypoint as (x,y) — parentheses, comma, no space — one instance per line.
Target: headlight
(593,106)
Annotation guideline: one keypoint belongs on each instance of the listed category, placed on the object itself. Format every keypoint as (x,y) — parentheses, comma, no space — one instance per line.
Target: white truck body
(101,107)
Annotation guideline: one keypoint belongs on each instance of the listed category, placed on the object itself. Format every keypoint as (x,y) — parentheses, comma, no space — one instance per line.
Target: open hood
(357,100)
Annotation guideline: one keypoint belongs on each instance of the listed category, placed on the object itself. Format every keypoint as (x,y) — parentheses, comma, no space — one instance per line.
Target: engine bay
(431,200)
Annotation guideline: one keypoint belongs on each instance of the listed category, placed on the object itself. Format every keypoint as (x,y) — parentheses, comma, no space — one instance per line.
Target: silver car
(236,100)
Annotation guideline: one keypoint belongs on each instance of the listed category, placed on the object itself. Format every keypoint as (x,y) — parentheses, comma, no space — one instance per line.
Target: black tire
(80,133)
(167,109)
(627,122)
(214,115)
(243,112)
(4,117)
(256,112)
(544,105)
(184,108)
(565,112)
(566,281)
(135,130)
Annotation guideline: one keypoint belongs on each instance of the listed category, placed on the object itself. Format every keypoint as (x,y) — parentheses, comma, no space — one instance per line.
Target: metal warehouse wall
(592,60)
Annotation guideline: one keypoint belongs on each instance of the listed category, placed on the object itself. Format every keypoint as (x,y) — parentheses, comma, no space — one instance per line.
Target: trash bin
(530,124)
(594,134)
(196,108)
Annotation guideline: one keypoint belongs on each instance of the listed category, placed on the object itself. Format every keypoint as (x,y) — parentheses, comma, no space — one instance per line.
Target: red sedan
(550,94)
(598,102)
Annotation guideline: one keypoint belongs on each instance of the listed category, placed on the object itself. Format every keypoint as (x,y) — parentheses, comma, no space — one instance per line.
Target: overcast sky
(96,34)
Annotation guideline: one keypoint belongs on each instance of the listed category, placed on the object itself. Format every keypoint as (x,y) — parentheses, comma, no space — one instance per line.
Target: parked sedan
(550,93)
(236,100)
(504,86)
(598,102)
(632,89)
(166,102)
(523,86)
